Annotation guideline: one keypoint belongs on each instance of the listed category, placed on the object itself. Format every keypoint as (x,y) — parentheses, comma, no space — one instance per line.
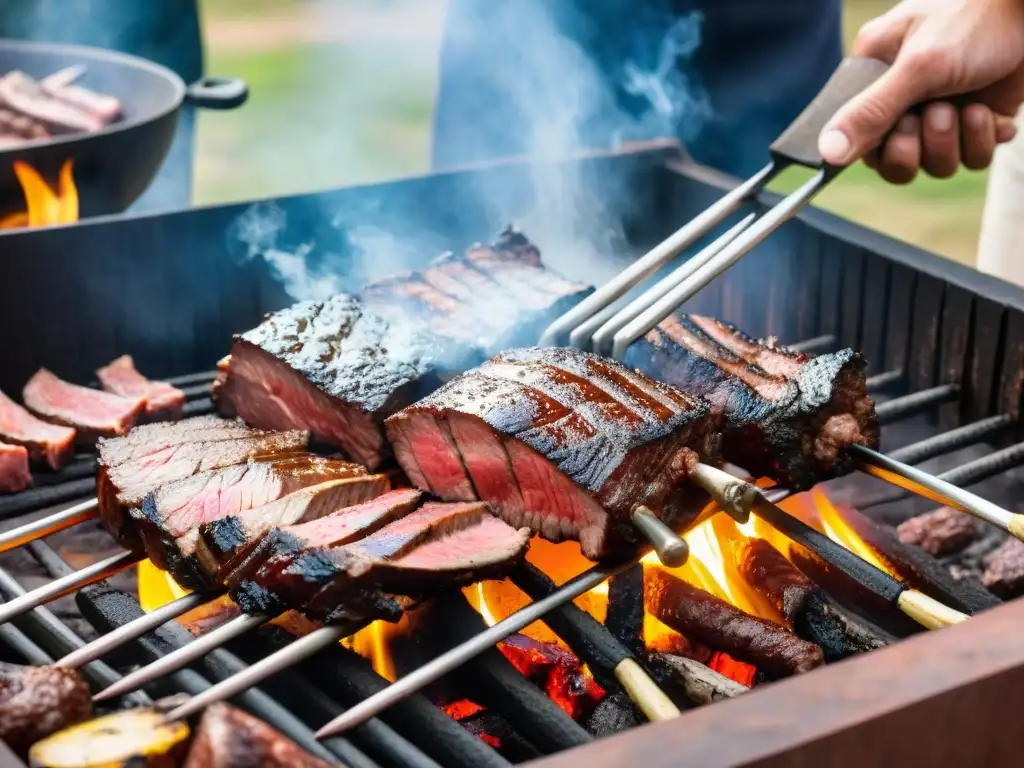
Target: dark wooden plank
(920,702)
(874,318)
(922,364)
(988,339)
(852,297)
(954,347)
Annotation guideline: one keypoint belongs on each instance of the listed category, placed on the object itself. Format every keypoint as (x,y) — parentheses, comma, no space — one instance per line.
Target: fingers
(1006,129)
(882,37)
(940,134)
(899,159)
(977,136)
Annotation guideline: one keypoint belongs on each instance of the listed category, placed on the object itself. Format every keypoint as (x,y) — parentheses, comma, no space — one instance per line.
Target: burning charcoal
(941,532)
(1004,574)
(558,672)
(615,713)
(494,730)
(702,684)
(625,618)
(717,624)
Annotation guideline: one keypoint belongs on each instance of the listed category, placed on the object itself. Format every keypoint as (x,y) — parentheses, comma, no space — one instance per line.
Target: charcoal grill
(946,346)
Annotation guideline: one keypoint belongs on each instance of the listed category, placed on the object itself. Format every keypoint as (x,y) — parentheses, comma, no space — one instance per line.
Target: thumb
(861,124)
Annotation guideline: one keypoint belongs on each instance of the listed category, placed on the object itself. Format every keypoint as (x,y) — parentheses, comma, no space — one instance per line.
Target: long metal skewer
(458,655)
(937,489)
(184,656)
(45,526)
(269,666)
(67,584)
(133,629)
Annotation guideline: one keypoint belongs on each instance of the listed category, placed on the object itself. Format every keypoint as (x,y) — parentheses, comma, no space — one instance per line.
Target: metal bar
(183,656)
(301,649)
(457,656)
(192,378)
(133,629)
(38,529)
(598,331)
(67,584)
(648,264)
(986,467)
(35,499)
(22,644)
(200,407)
(729,255)
(916,402)
(884,380)
(815,344)
(950,441)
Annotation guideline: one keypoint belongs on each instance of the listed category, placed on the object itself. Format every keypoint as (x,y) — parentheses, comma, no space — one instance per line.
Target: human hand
(972,50)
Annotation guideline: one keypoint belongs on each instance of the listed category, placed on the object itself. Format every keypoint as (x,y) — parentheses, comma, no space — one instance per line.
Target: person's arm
(965,58)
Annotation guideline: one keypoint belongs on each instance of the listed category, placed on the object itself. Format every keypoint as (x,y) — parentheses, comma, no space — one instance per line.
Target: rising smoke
(559,101)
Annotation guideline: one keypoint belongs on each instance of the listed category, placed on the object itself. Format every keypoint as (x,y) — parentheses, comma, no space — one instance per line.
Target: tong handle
(799,142)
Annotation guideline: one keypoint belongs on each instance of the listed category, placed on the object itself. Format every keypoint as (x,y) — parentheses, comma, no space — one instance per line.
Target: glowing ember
(461,709)
(44,206)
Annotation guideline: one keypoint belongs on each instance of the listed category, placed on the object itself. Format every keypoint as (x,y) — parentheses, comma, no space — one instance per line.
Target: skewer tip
(670,547)
(1016,526)
(928,612)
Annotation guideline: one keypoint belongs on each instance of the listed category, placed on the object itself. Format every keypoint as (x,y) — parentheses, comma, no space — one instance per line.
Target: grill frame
(936,339)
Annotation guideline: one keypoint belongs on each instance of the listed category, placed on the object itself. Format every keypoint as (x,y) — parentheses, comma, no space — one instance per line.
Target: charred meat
(38,701)
(561,441)
(48,443)
(439,545)
(169,517)
(14,472)
(163,401)
(330,367)
(790,416)
(229,738)
(91,412)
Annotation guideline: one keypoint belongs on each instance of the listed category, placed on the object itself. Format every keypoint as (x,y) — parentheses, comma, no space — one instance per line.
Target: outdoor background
(342,92)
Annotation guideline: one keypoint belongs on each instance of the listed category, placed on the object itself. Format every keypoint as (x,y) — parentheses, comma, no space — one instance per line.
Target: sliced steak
(48,443)
(564,442)
(226,542)
(150,439)
(122,487)
(169,517)
(330,367)
(91,412)
(14,473)
(163,401)
(282,546)
(790,416)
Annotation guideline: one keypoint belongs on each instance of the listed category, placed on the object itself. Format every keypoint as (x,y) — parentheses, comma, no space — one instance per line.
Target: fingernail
(941,118)
(976,118)
(834,146)
(908,125)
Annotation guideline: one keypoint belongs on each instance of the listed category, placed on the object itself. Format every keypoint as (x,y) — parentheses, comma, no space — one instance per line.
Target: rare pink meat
(14,473)
(163,401)
(45,442)
(92,412)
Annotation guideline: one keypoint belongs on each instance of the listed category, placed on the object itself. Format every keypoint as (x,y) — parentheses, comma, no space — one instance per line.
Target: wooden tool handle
(1016,526)
(799,142)
(672,551)
(645,692)
(927,612)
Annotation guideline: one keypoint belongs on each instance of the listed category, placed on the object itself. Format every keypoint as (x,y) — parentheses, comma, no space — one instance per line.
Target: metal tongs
(596,324)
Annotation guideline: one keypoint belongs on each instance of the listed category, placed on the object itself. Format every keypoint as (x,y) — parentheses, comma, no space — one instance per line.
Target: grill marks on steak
(14,472)
(120,377)
(789,416)
(562,441)
(91,412)
(330,367)
(48,443)
(153,455)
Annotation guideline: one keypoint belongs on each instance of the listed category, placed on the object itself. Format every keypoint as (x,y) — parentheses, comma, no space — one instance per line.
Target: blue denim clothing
(725,76)
(164,31)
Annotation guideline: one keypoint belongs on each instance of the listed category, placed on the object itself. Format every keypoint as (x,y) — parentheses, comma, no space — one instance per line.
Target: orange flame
(44,206)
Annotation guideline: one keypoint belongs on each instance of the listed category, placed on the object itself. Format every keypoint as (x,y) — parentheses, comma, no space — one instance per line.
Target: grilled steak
(14,472)
(122,486)
(226,542)
(789,415)
(229,738)
(330,367)
(562,441)
(163,401)
(150,439)
(38,701)
(91,412)
(283,545)
(169,517)
(45,442)
(438,545)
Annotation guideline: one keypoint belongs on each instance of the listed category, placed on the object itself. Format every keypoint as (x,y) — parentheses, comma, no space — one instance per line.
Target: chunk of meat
(14,472)
(49,443)
(163,401)
(38,701)
(562,441)
(91,412)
